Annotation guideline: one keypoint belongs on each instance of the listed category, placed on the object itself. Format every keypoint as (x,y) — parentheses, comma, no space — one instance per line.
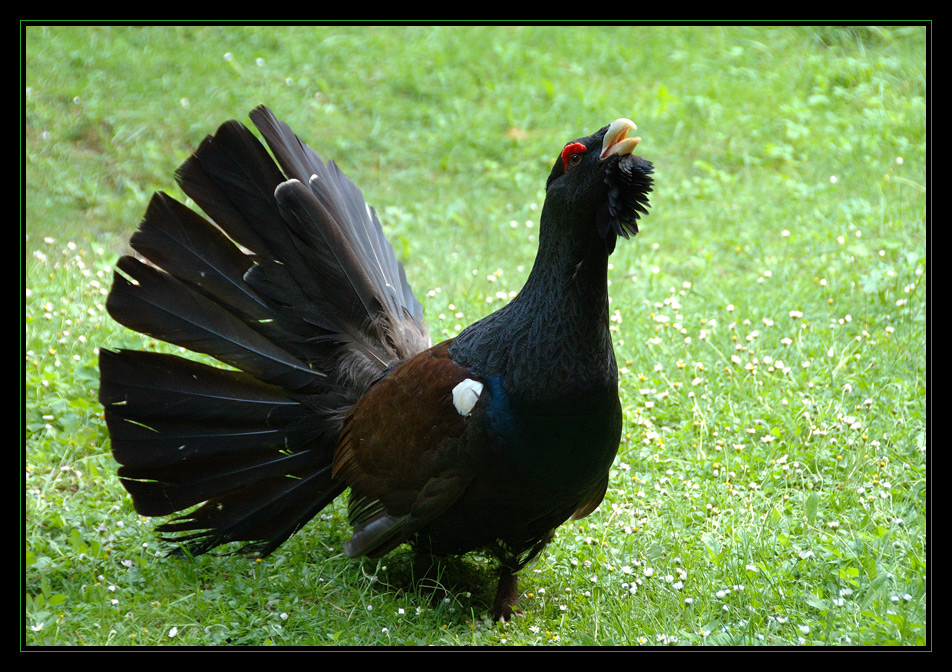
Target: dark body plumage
(487,441)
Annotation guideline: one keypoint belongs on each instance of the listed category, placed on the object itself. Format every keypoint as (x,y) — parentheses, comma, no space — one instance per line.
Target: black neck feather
(552,341)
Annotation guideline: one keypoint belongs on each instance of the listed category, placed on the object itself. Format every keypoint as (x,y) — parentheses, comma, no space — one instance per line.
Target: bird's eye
(572,154)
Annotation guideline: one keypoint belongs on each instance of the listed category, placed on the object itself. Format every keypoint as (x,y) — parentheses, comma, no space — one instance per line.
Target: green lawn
(770,319)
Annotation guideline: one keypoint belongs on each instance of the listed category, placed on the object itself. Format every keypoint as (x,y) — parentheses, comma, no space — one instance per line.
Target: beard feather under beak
(629,183)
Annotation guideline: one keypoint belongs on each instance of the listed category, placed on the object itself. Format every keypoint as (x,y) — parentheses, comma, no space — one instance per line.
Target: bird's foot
(507,595)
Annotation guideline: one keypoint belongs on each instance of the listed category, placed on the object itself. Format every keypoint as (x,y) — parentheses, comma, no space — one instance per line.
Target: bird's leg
(426,575)
(507,594)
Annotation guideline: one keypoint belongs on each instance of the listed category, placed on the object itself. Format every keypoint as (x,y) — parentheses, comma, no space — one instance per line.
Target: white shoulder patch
(465,396)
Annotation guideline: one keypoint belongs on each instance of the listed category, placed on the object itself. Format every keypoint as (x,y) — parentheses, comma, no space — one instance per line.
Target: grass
(770,319)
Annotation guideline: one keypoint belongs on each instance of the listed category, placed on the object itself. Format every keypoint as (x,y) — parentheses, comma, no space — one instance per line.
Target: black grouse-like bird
(490,440)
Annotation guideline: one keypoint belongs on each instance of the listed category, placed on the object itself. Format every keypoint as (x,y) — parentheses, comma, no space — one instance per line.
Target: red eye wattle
(570,151)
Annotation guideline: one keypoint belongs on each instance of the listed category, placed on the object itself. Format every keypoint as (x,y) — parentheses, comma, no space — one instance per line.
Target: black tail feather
(232,178)
(344,201)
(268,512)
(159,305)
(187,246)
(295,286)
(187,433)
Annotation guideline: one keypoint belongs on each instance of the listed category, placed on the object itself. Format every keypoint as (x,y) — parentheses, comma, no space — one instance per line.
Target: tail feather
(268,513)
(379,283)
(344,201)
(293,284)
(334,270)
(232,178)
(167,410)
(347,288)
(187,246)
(161,306)
(186,433)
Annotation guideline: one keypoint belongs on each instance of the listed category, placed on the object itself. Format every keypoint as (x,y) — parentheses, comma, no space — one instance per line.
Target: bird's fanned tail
(294,286)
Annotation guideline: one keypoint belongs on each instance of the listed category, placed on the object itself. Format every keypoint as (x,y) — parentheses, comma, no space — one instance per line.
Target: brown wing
(400,452)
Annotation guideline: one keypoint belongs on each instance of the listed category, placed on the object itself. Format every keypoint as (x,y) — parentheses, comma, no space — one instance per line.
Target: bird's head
(599,179)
